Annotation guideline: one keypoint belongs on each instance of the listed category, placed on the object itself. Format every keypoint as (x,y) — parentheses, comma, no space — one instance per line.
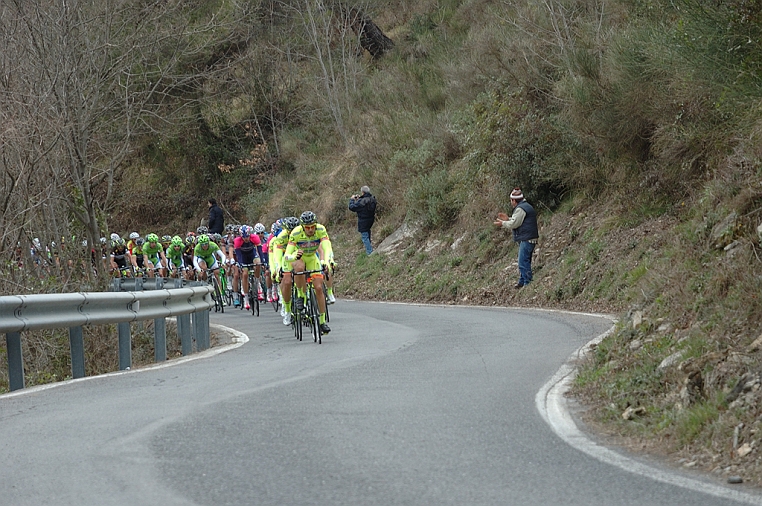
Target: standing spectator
(216,221)
(365,207)
(523,222)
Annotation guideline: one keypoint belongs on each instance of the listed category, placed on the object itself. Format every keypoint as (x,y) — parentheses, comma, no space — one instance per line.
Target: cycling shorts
(311,263)
(214,265)
(172,264)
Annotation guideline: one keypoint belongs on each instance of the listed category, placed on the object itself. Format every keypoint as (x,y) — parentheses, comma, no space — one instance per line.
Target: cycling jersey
(119,255)
(278,246)
(152,252)
(175,257)
(298,240)
(266,250)
(188,254)
(247,252)
(207,255)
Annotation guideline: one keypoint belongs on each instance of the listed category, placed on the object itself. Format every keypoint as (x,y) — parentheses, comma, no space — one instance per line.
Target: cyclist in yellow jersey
(303,245)
(281,269)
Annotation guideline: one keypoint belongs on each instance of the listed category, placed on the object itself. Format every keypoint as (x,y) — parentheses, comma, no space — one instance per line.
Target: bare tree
(93,76)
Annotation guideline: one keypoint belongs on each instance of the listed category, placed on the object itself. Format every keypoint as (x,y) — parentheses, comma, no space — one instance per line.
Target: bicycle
(253,292)
(253,300)
(219,304)
(311,316)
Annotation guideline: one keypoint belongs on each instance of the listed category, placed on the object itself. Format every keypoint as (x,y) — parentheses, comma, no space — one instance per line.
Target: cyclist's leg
(313,264)
(201,270)
(257,273)
(285,284)
(300,281)
(246,287)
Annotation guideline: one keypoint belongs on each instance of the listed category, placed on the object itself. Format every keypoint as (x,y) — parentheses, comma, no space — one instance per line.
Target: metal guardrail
(20,313)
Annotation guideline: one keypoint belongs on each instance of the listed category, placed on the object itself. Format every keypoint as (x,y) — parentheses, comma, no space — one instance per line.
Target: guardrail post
(200,330)
(205,328)
(15,361)
(160,339)
(125,346)
(77,351)
(184,331)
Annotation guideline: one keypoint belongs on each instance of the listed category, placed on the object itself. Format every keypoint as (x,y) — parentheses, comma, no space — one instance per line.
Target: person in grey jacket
(523,222)
(365,207)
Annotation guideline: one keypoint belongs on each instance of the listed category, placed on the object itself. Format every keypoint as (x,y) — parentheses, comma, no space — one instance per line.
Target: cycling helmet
(229,228)
(216,237)
(290,223)
(134,235)
(104,240)
(259,228)
(245,231)
(166,239)
(84,243)
(275,228)
(114,237)
(191,239)
(203,239)
(152,238)
(307,218)
(140,242)
(202,230)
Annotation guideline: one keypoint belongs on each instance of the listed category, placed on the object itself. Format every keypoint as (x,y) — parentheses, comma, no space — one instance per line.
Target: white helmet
(115,237)
(134,235)
(259,228)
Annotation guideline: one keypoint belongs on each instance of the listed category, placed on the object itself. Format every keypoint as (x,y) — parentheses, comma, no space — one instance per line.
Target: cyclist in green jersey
(281,271)
(205,256)
(174,256)
(153,256)
(303,245)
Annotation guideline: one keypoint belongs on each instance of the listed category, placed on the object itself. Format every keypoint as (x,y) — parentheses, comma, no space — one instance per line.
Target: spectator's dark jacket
(528,229)
(365,207)
(216,222)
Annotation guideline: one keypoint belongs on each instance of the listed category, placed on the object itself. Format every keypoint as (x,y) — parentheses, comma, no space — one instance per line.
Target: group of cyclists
(292,246)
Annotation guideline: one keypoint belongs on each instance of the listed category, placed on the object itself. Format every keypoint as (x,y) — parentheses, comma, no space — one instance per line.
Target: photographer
(365,207)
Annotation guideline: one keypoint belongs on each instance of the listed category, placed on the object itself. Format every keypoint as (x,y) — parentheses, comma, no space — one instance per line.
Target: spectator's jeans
(366,241)
(526,249)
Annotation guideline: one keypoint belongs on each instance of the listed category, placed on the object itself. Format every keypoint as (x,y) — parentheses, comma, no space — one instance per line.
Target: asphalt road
(401,404)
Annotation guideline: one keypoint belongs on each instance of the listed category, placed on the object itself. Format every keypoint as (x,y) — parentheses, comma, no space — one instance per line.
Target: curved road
(402,404)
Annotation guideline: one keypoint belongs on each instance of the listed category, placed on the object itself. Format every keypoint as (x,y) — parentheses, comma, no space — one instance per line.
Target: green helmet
(203,239)
(177,241)
(152,238)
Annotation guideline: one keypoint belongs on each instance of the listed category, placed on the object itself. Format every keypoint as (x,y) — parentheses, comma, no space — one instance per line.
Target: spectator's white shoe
(287,319)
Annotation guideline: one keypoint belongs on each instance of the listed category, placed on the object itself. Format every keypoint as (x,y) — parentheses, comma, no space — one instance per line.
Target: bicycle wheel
(254,296)
(218,294)
(314,315)
(296,315)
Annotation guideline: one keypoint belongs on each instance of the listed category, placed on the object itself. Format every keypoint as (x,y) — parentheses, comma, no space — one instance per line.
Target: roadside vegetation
(632,126)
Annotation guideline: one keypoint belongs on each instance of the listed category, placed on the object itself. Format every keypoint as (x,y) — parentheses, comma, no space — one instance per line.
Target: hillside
(632,127)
